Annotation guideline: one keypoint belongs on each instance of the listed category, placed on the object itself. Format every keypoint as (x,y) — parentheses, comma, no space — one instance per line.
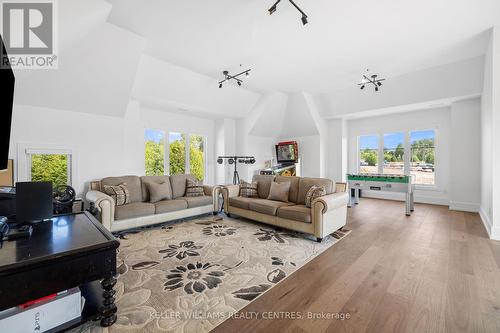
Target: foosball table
(377,182)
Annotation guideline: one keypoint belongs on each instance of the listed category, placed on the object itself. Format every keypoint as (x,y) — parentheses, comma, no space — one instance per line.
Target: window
(55,168)
(196,156)
(368,153)
(394,154)
(423,152)
(419,147)
(155,152)
(177,153)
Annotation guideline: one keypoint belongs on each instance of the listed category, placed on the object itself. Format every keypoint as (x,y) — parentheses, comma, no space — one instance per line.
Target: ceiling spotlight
(247,74)
(370,79)
(239,83)
(220,85)
(273,8)
(304,16)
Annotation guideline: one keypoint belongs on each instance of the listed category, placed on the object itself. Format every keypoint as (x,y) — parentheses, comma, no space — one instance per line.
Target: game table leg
(408,204)
(412,202)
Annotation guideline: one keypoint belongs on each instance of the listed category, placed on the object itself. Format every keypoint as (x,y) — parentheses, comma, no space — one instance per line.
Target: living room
(332,165)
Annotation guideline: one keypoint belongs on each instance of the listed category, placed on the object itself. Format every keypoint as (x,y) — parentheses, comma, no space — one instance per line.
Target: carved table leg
(108,311)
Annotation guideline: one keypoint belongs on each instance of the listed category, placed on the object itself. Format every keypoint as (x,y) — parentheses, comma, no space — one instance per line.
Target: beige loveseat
(326,215)
(140,212)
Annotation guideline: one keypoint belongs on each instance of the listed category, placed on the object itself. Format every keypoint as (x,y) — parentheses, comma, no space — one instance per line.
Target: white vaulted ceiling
(342,39)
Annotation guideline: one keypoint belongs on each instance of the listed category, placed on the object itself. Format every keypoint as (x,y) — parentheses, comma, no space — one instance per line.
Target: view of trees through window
(423,152)
(422,155)
(394,154)
(196,158)
(155,152)
(368,154)
(50,167)
(177,153)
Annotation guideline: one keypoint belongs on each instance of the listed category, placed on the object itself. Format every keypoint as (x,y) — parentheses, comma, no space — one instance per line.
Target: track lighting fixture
(228,77)
(304,15)
(370,79)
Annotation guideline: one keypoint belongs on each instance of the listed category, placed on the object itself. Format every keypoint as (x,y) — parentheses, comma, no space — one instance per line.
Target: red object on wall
(295,146)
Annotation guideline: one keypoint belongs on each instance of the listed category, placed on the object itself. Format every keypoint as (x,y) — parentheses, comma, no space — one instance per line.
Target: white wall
(465,171)
(490,136)
(438,119)
(103,145)
(337,150)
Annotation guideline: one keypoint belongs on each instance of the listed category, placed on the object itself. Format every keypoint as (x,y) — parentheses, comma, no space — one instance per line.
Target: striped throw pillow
(248,190)
(313,193)
(194,188)
(119,193)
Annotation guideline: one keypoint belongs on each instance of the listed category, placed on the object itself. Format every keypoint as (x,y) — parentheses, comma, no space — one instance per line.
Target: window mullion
(380,153)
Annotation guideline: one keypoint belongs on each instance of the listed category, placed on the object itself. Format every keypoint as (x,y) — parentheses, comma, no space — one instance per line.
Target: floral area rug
(192,275)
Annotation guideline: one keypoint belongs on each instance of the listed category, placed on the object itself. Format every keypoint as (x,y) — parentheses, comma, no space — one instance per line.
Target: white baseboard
(494,233)
(401,197)
(464,206)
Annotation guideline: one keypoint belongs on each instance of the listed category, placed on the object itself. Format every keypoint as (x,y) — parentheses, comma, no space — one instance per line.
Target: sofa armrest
(213,191)
(330,201)
(229,191)
(105,205)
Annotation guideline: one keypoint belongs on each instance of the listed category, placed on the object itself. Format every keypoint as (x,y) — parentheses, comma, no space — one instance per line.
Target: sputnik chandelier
(304,16)
(228,77)
(370,79)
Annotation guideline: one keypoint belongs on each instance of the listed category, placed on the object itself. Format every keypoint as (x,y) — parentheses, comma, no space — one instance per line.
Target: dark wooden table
(70,251)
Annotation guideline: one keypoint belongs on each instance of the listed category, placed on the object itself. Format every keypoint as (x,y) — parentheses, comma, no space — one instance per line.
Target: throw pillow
(119,193)
(248,190)
(313,193)
(279,191)
(159,192)
(194,188)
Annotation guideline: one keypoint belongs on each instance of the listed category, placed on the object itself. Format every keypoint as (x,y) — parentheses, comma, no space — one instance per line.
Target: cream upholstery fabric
(306,183)
(134,209)
(294,186)
(197,201)
(264,185)
(265,206)
(166,206)
(297,213)
(159,192)
(279,191)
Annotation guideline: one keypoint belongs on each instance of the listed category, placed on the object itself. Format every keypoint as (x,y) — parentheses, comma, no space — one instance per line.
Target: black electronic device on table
(33,202)
(7,80)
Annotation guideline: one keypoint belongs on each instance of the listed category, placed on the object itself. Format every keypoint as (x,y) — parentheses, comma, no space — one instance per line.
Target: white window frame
(26,150)
(166,153)
(407,154)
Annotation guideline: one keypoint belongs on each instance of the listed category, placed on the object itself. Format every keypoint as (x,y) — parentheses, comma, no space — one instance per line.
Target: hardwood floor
(435,271)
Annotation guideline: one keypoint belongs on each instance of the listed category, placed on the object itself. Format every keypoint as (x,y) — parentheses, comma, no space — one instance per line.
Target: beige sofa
(326,215)
(140,212)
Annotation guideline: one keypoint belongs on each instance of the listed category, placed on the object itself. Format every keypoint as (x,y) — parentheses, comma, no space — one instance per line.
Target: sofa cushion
(265,206)
(249,190)
(306,183)
(197,201)
(263,184)
(166,206)
(313,193)
(194,188)
(153,179)
(241,202)
(133,185)
(119,193)
(178,183)
(297,213)
(294,186)
(159,192)
(279,191)
(134,209)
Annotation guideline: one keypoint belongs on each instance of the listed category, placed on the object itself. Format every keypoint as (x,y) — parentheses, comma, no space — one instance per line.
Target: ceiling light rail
(304,15)
(228,77)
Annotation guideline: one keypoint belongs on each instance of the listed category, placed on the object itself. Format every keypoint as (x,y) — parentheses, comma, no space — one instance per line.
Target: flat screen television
(7,81)
(287,152)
